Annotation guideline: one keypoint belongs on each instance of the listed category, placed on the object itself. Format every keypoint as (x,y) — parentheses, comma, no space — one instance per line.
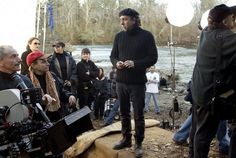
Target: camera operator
(10,64)
(52,88)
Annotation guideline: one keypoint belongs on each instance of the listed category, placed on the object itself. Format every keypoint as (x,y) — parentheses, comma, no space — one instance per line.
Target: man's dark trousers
(134,93)
(204,128)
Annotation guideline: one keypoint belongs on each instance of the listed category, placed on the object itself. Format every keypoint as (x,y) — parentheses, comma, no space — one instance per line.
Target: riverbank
(159,144)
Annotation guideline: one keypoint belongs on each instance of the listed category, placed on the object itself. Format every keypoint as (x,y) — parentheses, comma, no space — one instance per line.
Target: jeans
(223,137)
(147,101)
(109,119)
(183,133)
(222,133)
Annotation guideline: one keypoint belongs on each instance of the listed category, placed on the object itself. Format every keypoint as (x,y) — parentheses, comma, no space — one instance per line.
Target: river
(184,59)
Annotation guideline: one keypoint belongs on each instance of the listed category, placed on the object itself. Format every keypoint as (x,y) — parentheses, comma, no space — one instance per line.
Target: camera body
(21,135)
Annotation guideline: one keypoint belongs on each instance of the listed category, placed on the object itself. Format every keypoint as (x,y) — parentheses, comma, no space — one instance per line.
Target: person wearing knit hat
(50,84)
(133,51)
(131,13)
(215,63)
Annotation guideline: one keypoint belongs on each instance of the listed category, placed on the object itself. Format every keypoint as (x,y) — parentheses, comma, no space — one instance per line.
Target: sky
(17,22)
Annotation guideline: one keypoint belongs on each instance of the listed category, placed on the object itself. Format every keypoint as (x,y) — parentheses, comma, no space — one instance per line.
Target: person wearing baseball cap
(50,84)
(64,66)
(215,63)
(219,15)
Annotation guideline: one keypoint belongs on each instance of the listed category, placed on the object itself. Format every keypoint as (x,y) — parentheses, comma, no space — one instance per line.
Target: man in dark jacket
(10,64)
(10,79)
(133,51)
(64,66)
(217,40)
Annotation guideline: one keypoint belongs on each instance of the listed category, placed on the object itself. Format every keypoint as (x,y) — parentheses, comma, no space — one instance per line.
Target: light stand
(172,54)
(175,112)
(177,16)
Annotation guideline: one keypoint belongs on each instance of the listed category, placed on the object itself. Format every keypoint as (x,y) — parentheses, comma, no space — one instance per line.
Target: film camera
(23,136)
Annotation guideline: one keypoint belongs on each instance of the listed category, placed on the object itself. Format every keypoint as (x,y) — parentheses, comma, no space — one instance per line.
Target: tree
(97,22)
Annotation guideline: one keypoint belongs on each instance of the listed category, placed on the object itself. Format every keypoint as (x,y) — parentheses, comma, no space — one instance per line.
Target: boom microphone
(20,83)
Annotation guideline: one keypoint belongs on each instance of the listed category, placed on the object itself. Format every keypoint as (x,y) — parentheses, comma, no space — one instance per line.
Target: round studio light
(179,12)
(204,21)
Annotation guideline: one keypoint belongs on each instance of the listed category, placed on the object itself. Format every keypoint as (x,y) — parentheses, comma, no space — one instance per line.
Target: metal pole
(44,24)
(172,57)
(38,18)
(173,73)
(173,68)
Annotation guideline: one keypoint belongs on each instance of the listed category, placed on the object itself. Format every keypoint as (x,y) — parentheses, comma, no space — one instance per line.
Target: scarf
(50,90)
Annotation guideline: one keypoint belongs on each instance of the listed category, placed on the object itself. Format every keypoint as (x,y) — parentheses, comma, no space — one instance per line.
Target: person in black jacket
(216,40)
(52,89)
(10,64)
(134,50)
(32,45)
(101,94)
(64,66)
(87,71)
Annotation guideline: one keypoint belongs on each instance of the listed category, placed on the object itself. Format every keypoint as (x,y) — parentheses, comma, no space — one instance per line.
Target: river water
(184,59)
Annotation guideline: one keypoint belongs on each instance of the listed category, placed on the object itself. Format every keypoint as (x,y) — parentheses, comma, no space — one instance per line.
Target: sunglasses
(36,43)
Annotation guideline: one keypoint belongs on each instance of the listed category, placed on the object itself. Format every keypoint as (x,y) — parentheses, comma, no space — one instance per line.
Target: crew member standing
(133,51)
(87,71)
(64,66)
(216,59)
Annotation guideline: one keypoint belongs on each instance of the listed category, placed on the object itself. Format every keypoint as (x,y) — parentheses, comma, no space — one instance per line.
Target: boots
(138,150)
(125,142)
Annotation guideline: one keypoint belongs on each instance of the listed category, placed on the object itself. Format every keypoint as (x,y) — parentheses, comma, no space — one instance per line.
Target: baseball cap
(220,12)
(33,56)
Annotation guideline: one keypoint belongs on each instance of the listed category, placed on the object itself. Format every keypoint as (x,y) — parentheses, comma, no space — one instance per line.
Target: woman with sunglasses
(32,45)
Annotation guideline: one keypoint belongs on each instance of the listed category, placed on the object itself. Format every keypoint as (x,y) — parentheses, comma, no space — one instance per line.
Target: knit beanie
(129,12)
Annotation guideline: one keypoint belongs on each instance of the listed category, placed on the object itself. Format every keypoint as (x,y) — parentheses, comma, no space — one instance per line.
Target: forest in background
(97,22)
